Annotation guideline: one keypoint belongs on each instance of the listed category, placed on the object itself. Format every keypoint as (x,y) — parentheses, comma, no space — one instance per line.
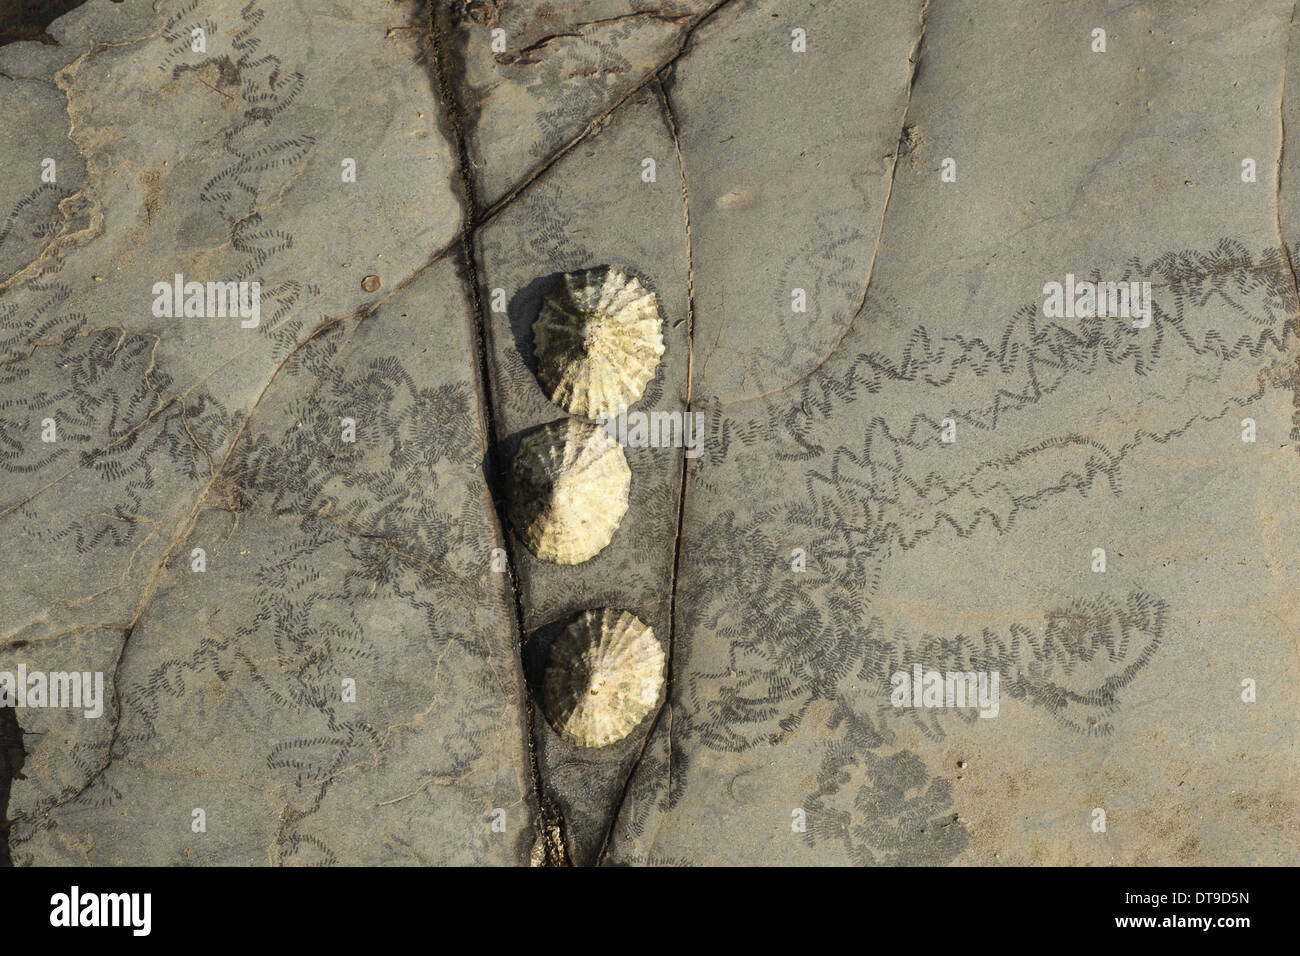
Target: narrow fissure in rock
(551,844)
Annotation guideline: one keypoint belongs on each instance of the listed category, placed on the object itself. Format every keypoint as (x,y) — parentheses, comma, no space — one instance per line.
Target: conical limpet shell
(597,339)
(604,674)
(570,483)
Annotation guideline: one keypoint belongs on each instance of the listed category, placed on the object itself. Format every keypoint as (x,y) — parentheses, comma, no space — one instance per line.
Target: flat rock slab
(273,542)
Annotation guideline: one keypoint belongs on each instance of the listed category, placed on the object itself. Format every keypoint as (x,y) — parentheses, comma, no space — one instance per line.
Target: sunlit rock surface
(272,515)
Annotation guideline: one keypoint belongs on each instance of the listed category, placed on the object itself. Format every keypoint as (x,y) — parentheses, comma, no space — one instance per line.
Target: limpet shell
(597,338)
(569,488)
(603,675)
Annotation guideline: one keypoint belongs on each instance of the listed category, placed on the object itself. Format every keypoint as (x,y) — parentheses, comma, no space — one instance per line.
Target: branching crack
(901,146)
(598,121)
(1284,249)
(522,55)
(1281,148)
(550,821)
(670,121)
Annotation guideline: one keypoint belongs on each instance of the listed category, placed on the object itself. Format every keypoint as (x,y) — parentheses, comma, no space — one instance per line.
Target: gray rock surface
(285,549)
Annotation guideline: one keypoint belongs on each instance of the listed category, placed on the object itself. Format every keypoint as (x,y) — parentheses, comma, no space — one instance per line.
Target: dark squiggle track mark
(790,645)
